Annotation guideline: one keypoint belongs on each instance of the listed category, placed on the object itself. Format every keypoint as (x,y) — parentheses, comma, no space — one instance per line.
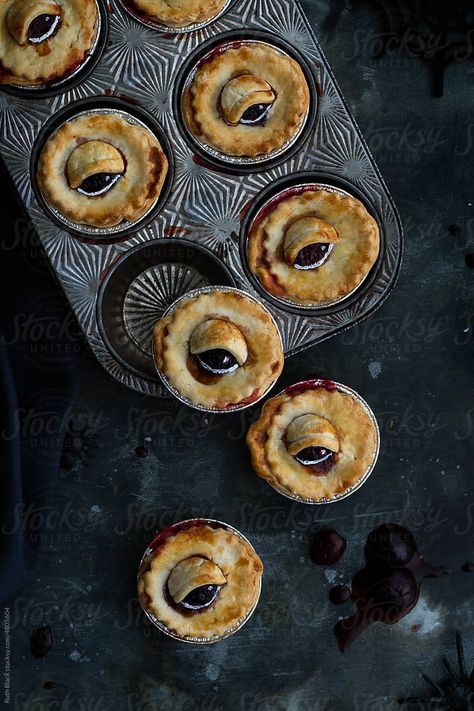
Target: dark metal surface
(411,361)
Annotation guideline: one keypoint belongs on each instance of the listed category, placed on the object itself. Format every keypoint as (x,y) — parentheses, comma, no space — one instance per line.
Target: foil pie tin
(167,29)
(239,164)
(351,490)
(142,69)
(71,79)
(188,523)
(175,392)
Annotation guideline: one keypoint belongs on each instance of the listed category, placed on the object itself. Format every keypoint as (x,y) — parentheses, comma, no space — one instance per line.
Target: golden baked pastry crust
(355,250)
(203,113)
(356,434)
(48,61)
(172,335)
(131,197)
(179,13)
(236,559)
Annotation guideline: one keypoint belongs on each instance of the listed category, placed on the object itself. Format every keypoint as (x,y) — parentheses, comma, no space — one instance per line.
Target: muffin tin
(142,72)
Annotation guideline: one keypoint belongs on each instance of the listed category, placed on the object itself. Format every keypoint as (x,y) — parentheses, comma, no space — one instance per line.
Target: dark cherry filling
(314,255)
(217,361)
(98,184)
(43,27)
(197,600)
(255,114)
(201,597)
(318,458)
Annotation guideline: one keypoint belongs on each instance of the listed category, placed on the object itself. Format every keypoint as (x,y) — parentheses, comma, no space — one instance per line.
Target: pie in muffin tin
(42,52)
(102,171)
(176,16)
(246,103)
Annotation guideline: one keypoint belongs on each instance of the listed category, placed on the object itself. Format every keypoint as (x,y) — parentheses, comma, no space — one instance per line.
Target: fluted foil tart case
(214,523)
(140,68)
(352,489)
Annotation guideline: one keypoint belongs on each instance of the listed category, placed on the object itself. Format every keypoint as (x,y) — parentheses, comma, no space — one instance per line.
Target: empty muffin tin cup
(186,401)
(145,563)
(351,490)
(140,286)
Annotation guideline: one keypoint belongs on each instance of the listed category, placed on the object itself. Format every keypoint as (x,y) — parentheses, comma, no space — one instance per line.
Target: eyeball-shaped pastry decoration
(34,22)
(195,583)
(43,42)
(309,242)
(313,248)
(218,350)
(315,442)
(200,581)
(101,170)
(246,99)
(94,167)
(219,346)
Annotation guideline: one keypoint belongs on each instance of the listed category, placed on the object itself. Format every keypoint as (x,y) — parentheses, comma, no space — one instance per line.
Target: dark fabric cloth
(40,347)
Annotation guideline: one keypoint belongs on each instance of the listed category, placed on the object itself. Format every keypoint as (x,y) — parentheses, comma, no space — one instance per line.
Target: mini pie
(42,41)
(178,13)
(314,247)
(201,582)
(100,170)
(219,349)
(313,442)
(248,100)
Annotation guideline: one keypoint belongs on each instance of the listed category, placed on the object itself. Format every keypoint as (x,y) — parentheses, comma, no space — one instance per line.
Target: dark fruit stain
(327,547)
(141,452)
(468,567)
(470,260)
(339,594)
(388,588)
(454,230)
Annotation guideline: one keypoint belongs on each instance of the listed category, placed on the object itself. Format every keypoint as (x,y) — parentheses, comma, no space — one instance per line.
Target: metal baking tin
(351,490)
(79,74)
(215,410)
(140,67)
(198,640)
